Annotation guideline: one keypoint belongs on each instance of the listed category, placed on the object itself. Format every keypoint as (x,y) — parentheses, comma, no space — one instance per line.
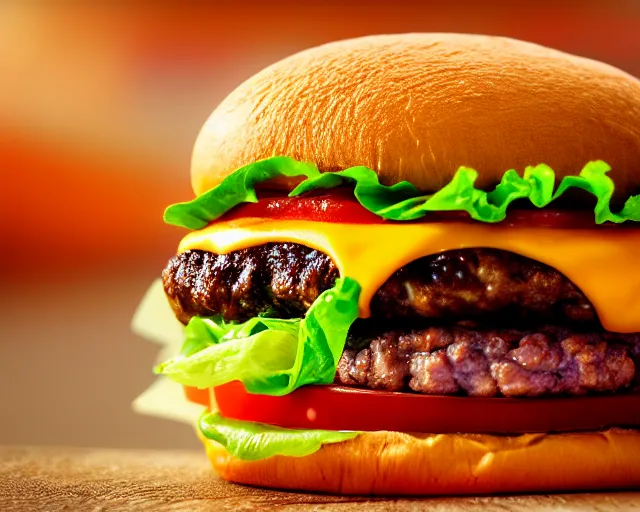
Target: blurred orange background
(99,106)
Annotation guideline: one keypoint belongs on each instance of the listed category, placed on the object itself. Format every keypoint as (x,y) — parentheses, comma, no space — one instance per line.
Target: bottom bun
(399,463)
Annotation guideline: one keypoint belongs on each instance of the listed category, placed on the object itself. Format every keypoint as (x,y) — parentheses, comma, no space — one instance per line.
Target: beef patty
(283,280)
(513,363)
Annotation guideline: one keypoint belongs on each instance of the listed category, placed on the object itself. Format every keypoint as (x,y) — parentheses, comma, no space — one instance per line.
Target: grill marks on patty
(488,363)
(285,278)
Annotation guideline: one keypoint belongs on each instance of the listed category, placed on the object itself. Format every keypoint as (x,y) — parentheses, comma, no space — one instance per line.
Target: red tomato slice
(345,408)
(341,206)
(335,207)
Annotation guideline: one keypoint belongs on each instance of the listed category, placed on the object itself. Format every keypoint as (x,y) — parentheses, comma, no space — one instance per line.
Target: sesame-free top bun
(397,463)
(418,106)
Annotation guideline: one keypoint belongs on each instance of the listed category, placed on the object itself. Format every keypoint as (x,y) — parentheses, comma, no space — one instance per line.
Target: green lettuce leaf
(237,188)
(270,356)
(367,189)
(252,441)
(402,202)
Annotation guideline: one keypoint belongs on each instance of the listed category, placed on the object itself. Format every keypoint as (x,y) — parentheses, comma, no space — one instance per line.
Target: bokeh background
(99,107)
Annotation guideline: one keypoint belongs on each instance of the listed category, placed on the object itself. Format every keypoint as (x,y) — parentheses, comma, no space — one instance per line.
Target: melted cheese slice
(603,263)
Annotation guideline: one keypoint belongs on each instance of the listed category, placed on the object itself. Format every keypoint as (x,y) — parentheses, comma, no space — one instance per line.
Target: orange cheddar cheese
(603,263)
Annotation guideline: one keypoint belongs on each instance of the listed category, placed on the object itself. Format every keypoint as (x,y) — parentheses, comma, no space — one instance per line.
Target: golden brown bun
(418,106)
(397,463)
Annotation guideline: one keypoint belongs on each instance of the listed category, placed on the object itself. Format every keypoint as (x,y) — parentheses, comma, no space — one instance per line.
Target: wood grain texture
(52,479)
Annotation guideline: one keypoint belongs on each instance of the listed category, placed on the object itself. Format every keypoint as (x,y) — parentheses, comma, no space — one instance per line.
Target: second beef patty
(492,362)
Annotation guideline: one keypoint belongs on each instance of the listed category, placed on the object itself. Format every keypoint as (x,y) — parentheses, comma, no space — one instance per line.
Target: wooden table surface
(51,479)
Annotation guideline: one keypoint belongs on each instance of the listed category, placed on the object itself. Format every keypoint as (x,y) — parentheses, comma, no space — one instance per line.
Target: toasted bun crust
(418,106)
(397,463)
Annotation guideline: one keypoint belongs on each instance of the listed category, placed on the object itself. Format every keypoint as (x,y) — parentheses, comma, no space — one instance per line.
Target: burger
(413,267)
